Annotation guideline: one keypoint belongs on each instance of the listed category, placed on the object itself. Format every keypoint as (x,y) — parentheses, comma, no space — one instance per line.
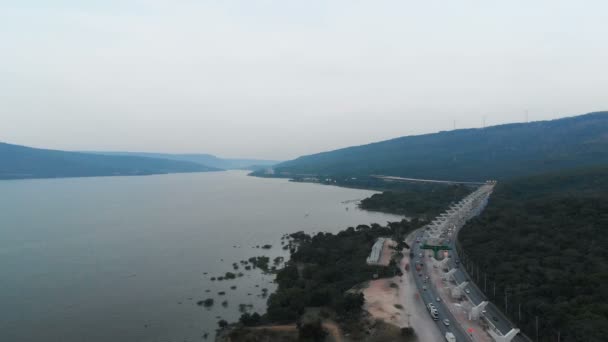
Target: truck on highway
(450,337)
(433,311)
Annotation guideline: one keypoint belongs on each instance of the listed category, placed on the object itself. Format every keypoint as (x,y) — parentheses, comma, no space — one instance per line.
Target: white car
(446,322)
(467,291)
(438,299)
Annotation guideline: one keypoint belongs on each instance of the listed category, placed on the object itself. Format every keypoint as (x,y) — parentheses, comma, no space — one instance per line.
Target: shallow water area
(124,258)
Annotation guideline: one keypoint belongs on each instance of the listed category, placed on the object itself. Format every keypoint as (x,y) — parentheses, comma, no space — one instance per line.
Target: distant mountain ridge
(200,158)
(19,162)
(496,152)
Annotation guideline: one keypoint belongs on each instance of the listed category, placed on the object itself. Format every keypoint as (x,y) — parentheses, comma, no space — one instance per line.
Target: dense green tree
(310,328)
(249,320)
(416,200)
(325,266)
(350,303)
(544,242)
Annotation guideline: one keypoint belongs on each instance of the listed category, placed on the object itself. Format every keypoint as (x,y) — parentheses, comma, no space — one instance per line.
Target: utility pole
(474,272)
(536,328)
(519,311)
(506,300)
(485,282)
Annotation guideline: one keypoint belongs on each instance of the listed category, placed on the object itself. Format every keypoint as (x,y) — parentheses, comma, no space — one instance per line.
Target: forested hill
(204,159)
(496,152)
(17,162)
(542,241)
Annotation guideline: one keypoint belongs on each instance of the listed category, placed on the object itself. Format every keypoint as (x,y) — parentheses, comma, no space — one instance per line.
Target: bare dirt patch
(380,298)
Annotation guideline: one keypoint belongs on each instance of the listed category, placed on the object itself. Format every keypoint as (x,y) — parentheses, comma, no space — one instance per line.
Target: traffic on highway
(441,234)
(429,294)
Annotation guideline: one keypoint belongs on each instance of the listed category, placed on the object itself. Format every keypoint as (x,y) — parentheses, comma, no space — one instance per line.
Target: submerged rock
(207,302)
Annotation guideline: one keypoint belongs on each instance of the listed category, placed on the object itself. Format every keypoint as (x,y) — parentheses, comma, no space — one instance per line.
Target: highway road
(493,315)
(404,179)
(430,295)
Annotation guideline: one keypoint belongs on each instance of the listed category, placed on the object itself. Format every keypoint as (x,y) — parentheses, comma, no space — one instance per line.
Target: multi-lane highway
(445,229)
(429,294)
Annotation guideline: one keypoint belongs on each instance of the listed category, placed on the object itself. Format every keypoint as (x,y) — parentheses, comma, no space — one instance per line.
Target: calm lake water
(123,258)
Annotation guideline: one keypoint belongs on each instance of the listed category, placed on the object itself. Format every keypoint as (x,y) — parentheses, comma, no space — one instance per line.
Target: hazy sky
(278,79)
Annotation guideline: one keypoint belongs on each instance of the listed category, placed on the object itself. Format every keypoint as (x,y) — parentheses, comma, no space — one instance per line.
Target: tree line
(416,200)
(540,252)
(322,270)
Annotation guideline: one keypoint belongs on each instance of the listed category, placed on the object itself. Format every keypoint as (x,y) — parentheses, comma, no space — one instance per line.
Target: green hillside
(200,158)
(497,152)
(543,241)
(18,162)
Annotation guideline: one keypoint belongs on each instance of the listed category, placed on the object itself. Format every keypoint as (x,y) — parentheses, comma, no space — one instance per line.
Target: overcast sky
(278,79)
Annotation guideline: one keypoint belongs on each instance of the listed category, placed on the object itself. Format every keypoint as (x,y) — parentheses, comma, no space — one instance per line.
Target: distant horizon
(128,150)
(178,153)
(282,79)
(132,151)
